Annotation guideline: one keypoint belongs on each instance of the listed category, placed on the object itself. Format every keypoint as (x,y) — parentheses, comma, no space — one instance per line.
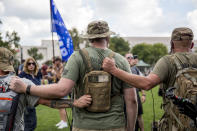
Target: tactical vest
(97,83)
(8,106)
(186,87)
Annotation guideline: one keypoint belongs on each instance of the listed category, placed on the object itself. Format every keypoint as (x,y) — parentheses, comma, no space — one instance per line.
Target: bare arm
(131,107)
(59,90)
(137,81)
(82,102)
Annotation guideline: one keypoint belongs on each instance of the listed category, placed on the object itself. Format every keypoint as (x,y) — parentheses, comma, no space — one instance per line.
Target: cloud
(195,2)
(192,19)
(30,31)
(27,9)
(31,18)
(129,17)
(2,9)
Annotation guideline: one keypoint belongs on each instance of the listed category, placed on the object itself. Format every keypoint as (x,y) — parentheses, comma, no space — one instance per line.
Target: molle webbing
(186,87)
(96,82)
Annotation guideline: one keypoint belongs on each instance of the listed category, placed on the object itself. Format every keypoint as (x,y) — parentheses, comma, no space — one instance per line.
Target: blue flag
(58,26)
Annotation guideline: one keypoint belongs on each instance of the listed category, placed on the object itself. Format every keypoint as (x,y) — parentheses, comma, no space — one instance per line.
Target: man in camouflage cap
(12,112)
(164,73)
(98,34)
(98,29)
(6,60)
(182,33)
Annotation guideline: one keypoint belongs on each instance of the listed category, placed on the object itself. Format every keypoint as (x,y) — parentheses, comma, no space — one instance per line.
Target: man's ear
(107,40)
(192,45)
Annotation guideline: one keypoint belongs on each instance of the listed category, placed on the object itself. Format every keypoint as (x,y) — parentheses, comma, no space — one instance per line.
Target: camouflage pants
(165,125)
(117,129)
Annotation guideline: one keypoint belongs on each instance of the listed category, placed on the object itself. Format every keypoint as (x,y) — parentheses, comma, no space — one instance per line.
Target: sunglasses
(30,63)
(130,57)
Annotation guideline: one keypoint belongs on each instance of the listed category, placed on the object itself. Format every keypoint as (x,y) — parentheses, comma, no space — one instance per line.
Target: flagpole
(58,26)
(51,30)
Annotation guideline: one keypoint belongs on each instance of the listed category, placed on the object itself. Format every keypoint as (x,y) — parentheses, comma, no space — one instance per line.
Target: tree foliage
(49,62)
(75,38)
(119,45)
(159,50)
(11,41)
(150,53)
(33,52)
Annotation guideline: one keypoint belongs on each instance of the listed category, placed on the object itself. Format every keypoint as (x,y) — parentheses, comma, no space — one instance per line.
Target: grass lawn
(48,117)
(148,108)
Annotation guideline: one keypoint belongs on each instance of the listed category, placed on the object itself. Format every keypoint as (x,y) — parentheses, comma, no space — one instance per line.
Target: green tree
(11,41)
(158,51)
(49,62)
(143,51)
(33,52)
(75,38)
(149,53)
(119,45)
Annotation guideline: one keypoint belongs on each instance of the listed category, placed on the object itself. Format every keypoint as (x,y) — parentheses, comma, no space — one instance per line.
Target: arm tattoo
(61,103)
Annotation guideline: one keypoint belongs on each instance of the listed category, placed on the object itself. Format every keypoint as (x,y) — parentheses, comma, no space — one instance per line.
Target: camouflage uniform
(6,64)
(166,69)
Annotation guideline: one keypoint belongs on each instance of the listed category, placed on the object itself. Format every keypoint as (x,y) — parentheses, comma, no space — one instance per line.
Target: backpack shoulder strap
(86,58)
(179,64)
(176,62)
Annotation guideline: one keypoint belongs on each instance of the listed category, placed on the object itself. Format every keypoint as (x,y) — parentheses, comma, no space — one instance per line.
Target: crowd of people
(105,85)
(46,74)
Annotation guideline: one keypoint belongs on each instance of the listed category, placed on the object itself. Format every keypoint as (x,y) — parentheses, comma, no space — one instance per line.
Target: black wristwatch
(28,89)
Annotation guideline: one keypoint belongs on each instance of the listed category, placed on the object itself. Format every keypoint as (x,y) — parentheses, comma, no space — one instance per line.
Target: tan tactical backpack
(186,87)
(97,83)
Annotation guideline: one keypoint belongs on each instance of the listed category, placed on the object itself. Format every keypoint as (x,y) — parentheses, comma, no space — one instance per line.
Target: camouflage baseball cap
(6,60)
(97,29)
(182,33)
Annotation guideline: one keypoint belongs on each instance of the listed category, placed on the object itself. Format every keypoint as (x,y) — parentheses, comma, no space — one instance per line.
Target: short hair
(23,60)
(57,59)
(97,39)
(183,43)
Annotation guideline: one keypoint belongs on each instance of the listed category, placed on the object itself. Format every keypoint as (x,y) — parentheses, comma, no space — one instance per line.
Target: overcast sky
(31,18)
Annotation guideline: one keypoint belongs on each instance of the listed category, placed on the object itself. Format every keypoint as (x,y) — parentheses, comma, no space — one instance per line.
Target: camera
(135,56)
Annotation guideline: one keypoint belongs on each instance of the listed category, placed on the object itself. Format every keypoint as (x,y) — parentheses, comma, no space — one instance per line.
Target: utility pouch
(97,83)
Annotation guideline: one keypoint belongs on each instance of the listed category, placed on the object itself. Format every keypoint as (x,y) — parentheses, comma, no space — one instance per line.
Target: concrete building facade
(46,49)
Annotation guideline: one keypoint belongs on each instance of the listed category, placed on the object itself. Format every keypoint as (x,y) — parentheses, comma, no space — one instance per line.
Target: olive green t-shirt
(166,69)
(75,70)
